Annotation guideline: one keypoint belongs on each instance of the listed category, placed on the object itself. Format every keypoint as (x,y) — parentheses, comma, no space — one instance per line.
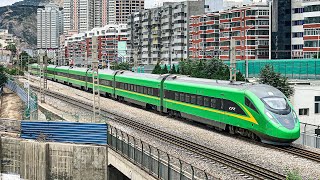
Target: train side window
(135,88)
(187,98)
(182,97)
(150,91)
(206,102)
(193,99)
(176,96)
(132,88)
(121,85)
(200,100)
(155,92)
(250,104)
(215,103)
(126,86)
(145,90)
(140,89)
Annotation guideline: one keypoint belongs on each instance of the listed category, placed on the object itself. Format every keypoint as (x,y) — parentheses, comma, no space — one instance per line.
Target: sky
(7,2)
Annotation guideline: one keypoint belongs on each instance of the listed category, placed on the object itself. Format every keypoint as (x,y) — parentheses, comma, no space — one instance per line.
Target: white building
(49,27)
(5,38)
(306,101)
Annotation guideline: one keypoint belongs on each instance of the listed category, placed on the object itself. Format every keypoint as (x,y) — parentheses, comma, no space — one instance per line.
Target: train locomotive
(257,111)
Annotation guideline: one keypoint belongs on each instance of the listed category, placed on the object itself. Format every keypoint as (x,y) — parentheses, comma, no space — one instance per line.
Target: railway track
(300,152)
(241,166)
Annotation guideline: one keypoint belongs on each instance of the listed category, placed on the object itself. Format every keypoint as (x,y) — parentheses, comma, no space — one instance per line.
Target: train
(257,111)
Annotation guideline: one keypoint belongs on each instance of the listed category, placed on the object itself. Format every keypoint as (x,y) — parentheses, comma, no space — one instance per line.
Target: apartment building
(5,38)
(249,26)
(79,46)
(49,27)
(305,29)
(281,29)
(119,10)
(162,33)
(204,36)
(297,29)
(311,28)
(84,15)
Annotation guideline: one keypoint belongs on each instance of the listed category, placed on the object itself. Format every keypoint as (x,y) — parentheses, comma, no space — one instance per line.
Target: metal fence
(83,133)
(30,108)
(291,68)
(308,135)
(157,163)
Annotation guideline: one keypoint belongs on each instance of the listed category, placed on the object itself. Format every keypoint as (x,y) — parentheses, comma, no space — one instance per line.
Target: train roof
(106,71)
(141,75)
(63,67)
(210,82)
(78,69)
(260,90)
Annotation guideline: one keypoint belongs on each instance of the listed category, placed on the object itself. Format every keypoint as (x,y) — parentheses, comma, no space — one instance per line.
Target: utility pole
(43,62)
(95,79)
(233,71)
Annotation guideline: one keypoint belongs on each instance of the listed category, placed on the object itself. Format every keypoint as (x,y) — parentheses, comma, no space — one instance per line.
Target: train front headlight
(270,116)
(295,117)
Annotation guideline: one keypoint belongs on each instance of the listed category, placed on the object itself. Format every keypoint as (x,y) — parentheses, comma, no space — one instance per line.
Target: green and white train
(256,111)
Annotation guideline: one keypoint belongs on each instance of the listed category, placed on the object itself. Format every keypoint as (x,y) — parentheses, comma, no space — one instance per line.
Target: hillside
(21,19)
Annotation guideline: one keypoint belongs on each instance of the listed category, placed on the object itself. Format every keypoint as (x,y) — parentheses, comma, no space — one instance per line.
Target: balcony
(178,10)
(167,26)
(145,55)
(155,55)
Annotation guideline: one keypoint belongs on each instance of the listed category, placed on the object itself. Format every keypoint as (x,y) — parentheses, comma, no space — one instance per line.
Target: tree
(157,69)
(173,70)
(24,57)
(3,77)
(272,78)
(121,66)
(164,70)
(12,48)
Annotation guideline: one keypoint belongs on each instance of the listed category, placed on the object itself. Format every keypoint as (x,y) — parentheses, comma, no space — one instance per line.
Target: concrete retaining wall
(45,160)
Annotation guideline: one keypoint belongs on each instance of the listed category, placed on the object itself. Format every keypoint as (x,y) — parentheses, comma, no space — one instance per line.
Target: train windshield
(276,103)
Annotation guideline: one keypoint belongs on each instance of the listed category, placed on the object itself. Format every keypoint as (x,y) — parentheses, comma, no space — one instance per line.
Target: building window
(298,10)
(317,104)
(297,23)
(297,34)
(304,111)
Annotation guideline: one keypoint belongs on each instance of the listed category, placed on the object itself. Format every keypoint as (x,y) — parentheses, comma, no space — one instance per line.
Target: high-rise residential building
(204,36)
(297,29)
(305,37)
(49,27)
(119,10)
(84,15)
(281,29)
(249,26)
(311,29)
(162,34)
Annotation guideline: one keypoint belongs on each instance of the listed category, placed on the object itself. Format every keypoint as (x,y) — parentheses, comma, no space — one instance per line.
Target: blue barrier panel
(84,133)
